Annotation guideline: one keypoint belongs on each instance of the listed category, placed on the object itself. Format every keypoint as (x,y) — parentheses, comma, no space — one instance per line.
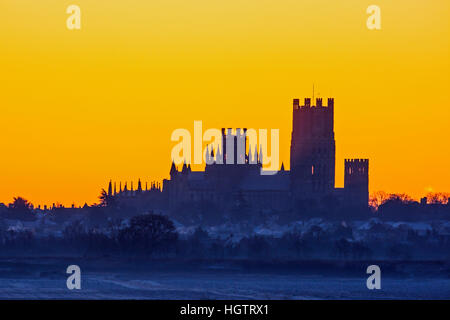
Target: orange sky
(84,106)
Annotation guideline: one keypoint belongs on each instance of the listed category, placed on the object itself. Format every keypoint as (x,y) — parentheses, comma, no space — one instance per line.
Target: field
(45,278)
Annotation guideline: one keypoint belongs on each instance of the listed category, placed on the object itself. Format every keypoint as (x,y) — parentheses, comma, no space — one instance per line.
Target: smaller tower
(356,182)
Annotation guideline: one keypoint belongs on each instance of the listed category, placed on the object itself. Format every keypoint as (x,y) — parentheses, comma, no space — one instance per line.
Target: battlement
(356,161)
(356,166)
(307,103)
(234,146)
(237,132)
(319,102)
(330,102)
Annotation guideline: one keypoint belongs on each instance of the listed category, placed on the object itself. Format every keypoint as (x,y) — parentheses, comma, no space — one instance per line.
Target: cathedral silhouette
(237,185)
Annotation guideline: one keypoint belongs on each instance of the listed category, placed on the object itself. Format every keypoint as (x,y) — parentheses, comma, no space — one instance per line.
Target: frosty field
(39,278)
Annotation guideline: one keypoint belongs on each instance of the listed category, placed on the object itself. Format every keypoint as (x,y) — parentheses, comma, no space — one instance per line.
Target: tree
(150,232)
(21,209)
(106,200)
(377,199)
(438,197)
(401,198)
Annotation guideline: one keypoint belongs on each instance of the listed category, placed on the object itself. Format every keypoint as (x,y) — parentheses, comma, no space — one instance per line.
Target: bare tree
(438,197)
(377,199)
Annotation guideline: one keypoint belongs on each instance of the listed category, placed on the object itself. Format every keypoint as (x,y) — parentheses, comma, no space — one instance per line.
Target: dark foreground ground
(108,278)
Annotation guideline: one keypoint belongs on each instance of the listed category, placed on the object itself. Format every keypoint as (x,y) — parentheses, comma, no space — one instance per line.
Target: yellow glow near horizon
(85,106)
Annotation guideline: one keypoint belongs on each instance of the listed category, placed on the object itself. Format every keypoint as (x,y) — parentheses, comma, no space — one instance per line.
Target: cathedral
(238,185)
